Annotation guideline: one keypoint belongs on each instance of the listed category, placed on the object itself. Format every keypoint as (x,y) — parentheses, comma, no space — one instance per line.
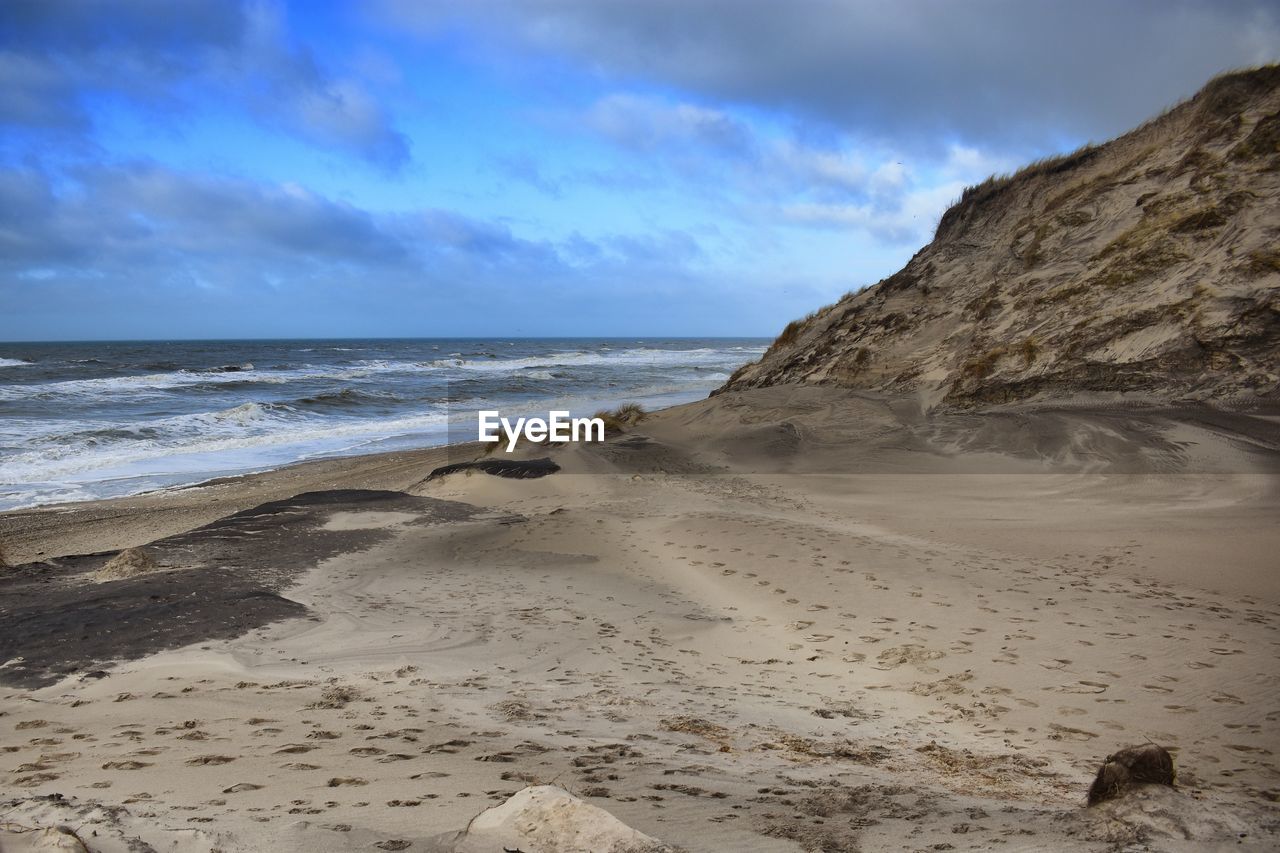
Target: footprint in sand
(34,780)
(1060,731)
(1092,687)
(240,787)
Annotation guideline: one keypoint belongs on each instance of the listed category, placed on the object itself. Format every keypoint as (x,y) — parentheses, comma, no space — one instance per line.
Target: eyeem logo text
(557,427)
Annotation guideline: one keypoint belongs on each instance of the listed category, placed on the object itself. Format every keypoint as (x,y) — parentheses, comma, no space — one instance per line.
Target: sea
(91,420)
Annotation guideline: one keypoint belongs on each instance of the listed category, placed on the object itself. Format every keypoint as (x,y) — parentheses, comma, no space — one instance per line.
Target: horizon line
(388,338)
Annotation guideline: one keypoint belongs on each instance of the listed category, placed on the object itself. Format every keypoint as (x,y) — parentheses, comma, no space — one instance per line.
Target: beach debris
(336,696)
(1145,764)
(128,563)
(56,838)
(702,728)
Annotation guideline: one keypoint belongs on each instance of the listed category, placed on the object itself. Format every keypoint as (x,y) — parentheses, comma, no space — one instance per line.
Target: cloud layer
(175,56)
(998,72)
(221,168)
(124,245)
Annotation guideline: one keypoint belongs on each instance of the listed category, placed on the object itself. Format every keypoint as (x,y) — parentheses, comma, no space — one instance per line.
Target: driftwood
(1145,764)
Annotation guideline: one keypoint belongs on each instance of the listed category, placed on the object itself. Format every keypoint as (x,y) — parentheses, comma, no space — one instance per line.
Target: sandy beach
(884,402)
(781,619)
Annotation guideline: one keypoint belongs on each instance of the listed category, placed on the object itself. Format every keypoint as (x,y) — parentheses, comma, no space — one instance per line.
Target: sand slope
(783,620)
(1146,264)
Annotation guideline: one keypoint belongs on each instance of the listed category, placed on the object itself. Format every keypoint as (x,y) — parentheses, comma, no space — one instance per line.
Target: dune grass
(618,420)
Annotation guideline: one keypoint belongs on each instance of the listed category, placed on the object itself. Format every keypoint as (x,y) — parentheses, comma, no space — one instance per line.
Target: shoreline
(33,533)
(136,419)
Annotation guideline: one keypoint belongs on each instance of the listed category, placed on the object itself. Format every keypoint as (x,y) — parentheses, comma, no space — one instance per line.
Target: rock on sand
(545,818)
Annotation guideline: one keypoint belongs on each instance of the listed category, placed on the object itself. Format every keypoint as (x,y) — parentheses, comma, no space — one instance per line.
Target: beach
(639,427)
(779,619)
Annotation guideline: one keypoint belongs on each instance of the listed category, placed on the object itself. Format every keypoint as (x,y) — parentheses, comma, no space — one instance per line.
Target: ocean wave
(181,415)
(245,414)
(349,398)
(14,362)
(636,356)
(152,383)
(223,378)
(245,374)
(235,439)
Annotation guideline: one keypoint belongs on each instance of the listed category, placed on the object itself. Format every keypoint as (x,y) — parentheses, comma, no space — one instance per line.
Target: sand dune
(786,619)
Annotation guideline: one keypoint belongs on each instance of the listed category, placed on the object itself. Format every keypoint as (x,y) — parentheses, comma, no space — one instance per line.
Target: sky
(405,168)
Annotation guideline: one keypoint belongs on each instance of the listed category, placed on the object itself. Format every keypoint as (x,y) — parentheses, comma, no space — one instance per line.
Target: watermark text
(558,426)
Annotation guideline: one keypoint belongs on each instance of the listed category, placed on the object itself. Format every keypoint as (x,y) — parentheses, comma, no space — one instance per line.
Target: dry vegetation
(793,330)
(982,365)
(987,304)
(978,195)
(1119,232)
(1029,349)
(1263,141)
(1263,262)
(617,421)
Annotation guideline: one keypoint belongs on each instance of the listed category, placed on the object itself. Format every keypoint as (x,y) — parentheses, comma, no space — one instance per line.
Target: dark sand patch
(230,579)
(513,469)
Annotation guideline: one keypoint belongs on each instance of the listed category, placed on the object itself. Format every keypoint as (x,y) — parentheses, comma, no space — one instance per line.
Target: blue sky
(210,168)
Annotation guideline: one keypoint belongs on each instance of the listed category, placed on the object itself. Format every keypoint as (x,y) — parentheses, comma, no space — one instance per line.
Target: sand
(780,620)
